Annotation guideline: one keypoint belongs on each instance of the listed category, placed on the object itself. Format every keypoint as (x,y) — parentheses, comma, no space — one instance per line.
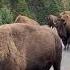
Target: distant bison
(28,47)
(60,26)
(66,19)
(62,31)
(26,20)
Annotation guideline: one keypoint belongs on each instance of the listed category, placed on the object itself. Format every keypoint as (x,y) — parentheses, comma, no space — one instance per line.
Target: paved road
(65,65)
(66,60)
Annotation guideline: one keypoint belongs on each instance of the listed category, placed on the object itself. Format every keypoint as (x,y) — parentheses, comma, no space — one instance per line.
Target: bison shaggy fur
(26,20)
(28,47)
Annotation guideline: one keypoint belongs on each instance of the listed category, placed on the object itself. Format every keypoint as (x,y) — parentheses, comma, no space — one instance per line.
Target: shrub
(6,16)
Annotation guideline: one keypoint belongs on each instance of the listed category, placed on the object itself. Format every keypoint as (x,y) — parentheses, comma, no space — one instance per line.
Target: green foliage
(6,16)
(54,7)
(41,8)
(36,9)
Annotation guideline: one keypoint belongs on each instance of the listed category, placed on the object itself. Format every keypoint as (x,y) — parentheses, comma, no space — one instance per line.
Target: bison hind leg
(56,66)
(39,66)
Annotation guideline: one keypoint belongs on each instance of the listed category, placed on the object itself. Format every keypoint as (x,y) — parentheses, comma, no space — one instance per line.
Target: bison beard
(28,47)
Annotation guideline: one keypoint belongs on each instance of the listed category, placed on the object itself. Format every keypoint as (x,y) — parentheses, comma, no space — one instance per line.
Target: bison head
(51,19)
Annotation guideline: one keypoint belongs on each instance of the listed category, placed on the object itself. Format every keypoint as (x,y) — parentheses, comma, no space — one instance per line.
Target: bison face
(51,20)
(66,18)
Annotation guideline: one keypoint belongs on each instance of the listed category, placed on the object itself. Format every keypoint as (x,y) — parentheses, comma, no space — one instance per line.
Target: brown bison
(28,47)
(60,26)
(26,20)
(66,18)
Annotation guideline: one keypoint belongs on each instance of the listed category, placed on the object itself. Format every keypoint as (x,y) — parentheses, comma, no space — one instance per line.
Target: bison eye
(62,20)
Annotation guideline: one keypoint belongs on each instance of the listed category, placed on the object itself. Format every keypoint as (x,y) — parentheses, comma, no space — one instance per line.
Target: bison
(66,18)
(60,29)
(28,47)
(26,20)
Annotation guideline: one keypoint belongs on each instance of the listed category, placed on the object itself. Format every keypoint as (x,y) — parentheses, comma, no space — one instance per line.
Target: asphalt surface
(65,64)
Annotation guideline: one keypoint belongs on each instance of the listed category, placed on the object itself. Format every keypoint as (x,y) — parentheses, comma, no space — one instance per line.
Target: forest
(35,9)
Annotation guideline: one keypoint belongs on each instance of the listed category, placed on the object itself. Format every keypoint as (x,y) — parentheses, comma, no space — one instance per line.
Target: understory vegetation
(36,9)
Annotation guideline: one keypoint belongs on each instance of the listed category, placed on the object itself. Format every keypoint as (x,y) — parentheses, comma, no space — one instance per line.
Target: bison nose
(62,20)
